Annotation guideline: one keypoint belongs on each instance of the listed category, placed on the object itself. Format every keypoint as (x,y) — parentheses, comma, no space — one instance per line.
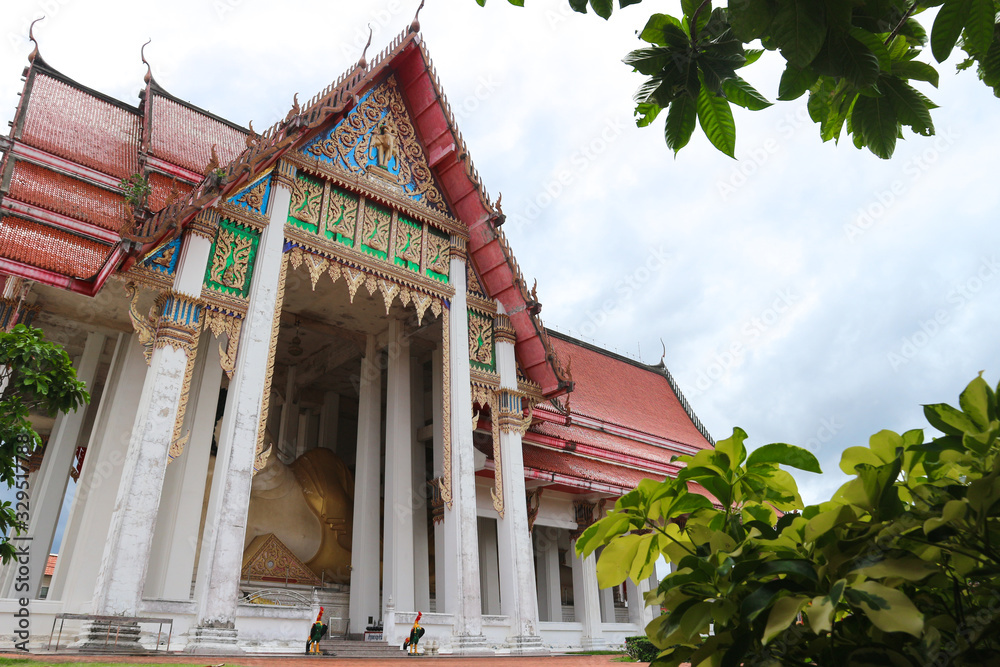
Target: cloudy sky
(807,292)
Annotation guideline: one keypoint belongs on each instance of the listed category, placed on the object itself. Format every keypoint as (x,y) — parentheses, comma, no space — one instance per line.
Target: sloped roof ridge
(40,66)
(659,369)
(157,89)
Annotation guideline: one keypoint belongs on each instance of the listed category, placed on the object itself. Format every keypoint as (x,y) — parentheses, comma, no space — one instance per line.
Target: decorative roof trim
(659,369)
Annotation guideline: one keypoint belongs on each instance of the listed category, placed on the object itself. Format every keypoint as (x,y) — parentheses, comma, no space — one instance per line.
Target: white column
(489,575)
(93,503)
(586,600)
(329,421)
(367,515)
(171,565)
(638,612)
(607,605)
(461,546)
(302,439)
(122,576)
(52,478)
(397,541)
(437,406)
(549,590)
(517,566)
(418,472)
(221,556)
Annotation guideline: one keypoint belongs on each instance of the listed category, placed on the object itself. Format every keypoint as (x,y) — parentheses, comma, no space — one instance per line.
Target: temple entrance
(302,522)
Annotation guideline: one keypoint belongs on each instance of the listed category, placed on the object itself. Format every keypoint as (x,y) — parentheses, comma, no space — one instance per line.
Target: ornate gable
(268,559)
(377,139)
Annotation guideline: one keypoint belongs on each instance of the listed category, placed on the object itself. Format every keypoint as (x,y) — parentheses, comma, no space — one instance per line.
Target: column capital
(180,322)
(205,224)
(503,330)
(284,174)
(459,247)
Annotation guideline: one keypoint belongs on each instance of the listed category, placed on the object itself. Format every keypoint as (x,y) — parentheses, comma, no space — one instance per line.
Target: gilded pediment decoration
(377,139)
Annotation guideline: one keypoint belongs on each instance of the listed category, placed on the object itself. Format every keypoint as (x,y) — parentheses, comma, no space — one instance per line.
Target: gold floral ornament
(254,198)
(480,340)
(375,233)
(306,199)
(231,259)
(342,214)
(408,241)
(438,254)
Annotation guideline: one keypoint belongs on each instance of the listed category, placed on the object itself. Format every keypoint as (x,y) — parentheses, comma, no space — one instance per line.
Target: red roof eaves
(58,220)
(596,453)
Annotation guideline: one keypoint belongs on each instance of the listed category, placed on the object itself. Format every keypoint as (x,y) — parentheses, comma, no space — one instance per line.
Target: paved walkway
(332,661)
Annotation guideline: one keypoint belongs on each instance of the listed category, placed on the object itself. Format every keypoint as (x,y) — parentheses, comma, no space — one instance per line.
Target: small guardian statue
(316,633)
(416,632)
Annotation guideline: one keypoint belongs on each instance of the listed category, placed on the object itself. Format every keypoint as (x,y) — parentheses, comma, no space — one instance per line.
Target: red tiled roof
(33,243)
(72,123)
(34,184)
(50,564)
(161,186)
(564,463)
(183,136)
(609,442)
(617,391)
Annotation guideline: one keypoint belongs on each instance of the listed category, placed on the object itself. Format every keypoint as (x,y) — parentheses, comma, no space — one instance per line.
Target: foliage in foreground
(640,648)
(855,58)
(899,568)
(36,376)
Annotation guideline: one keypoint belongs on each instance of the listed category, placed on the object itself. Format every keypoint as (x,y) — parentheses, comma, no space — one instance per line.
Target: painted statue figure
(316,633)
(416,632)
(384,142)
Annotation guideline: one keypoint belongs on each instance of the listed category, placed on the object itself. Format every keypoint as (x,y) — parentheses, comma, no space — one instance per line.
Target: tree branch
(902,21)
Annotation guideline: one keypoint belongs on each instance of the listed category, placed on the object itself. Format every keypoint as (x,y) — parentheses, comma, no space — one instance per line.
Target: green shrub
(641,649)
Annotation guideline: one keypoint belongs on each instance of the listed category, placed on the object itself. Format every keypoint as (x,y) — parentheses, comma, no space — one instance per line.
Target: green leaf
(820,614)
(742,94)
(646,113)
(732,446)
(696,620)
(875,44)
(979,26)
(782,615)
(615,563)
(602,8)
(874,121)
(948,420)
(799,31)
(912,108)
(911,69)
(750,18)
(794,82)
(680,122)
(661,26)
(578,6)
(910,569)
(860,64)
(854,456)
(978,403)
(948,26)
(784,454)
(889,609)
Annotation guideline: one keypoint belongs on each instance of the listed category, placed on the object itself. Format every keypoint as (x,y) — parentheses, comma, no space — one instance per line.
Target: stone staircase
(347,648)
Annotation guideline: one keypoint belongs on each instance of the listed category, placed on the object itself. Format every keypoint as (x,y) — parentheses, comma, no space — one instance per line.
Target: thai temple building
(318,378)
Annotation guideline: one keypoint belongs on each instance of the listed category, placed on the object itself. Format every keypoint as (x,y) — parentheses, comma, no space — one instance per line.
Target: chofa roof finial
(415,24)
(363,62)
(31,36)
(142,55)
